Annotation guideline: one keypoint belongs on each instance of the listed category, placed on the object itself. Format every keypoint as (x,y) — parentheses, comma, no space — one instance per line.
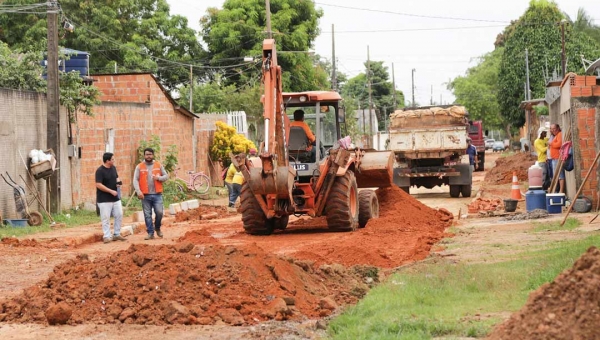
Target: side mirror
(341,115)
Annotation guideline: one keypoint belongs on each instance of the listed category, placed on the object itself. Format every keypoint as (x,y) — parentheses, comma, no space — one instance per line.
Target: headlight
(302,99)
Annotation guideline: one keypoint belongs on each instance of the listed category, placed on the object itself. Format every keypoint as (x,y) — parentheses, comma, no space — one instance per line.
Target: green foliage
(356,89)
(170,160)
(444,299)
(226,140)
(76,96)
(132,33)
(238,29)
(541,110)
(478,90)
(585,24)
(536,32)
(20,71)
(351,125)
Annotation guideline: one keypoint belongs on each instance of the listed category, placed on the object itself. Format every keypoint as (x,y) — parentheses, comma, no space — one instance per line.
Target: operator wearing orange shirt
(299,121)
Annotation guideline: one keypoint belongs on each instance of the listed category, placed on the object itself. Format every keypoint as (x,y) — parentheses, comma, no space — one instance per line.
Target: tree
(585,24)
(21,71)
(538,31)
(137,35)
(238,29)
(356,89)
(477,90)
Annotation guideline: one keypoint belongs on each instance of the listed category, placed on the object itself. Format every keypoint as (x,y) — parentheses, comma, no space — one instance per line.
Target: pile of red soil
(502,172)
(485,204)
(203,212)
(404,232)
(566,308)
(186,284)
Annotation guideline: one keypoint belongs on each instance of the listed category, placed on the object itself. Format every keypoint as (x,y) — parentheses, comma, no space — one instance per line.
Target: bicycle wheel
(201,184)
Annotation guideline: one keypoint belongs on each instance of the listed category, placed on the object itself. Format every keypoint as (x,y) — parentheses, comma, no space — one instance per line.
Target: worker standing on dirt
(555,146)
(148,183)
(234,181)
(299,122)
(541,147)
(108,198)
(472,152)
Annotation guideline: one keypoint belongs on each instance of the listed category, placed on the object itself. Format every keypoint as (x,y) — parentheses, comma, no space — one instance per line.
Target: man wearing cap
(541,147)
(299,122)
(472,152)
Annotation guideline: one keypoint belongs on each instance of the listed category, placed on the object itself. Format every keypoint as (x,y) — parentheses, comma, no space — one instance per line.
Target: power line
(410,14)
(419,29)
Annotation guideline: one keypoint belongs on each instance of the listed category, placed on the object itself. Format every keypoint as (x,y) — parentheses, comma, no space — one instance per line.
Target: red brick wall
(586,123)
(136,108)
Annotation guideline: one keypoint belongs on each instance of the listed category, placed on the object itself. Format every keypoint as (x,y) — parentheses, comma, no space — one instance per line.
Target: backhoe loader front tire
(368,207)
(280,222)
(254,219)
(341,208)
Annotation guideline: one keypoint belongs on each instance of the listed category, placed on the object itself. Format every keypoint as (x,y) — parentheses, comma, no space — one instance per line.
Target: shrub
(227,140)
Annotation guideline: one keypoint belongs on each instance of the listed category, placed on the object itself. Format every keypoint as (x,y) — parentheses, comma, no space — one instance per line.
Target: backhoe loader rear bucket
(375,169)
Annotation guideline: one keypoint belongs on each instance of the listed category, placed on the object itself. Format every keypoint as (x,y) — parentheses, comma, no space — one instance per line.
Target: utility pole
(413,88)
(370,95)
(394,86)
(269,33)
(191,89)
(431,100)
(53,108)
(527,91)
(563,56)
(333,73)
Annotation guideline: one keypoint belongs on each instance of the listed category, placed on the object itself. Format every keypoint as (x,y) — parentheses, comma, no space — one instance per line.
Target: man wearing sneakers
(108,198)
(148,183)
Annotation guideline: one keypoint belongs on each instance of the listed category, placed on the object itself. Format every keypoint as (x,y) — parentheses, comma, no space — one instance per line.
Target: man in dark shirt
(108,198)
(472,152)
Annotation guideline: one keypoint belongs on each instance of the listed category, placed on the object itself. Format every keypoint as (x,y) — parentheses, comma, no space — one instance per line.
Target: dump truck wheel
(465,190)
(368,207)
(254,219)
(35,219)
(280,222)
(342,204)
(454,190)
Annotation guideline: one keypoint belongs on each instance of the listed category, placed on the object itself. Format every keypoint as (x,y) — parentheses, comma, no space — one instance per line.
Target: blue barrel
(535,199)
(555,202)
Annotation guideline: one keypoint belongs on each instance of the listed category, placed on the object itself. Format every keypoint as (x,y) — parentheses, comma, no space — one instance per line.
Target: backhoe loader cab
(322,115)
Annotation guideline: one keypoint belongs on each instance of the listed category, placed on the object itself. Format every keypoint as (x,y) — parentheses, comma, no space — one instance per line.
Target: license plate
(301,167)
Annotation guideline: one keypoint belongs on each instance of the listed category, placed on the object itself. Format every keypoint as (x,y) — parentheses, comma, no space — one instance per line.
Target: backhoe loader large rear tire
(341,208)
(368,207)
(254,219)
(280,222)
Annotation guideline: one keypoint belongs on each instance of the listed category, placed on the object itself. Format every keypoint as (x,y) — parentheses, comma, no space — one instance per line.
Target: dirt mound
(566,308)
(187,284)
(502,172)
(204,212)
(405,231)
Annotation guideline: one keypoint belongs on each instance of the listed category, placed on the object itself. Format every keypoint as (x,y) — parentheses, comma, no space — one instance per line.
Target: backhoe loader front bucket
(376,169)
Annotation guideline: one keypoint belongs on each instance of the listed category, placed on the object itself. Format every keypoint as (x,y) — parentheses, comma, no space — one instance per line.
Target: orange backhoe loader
(288,177)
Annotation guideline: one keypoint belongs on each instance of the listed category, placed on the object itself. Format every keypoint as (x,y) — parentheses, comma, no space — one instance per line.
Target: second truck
(428,143)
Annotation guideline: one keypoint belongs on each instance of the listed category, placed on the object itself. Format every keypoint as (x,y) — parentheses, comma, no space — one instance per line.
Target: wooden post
(580,188)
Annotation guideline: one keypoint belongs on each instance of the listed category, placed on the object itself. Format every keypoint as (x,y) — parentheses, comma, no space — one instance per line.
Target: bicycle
(197,181)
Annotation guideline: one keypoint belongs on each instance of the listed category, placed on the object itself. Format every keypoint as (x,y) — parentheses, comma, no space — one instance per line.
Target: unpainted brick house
(575,105)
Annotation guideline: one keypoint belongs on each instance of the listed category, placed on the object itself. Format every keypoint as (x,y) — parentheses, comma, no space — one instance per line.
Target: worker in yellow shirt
(299,122)
(234,181)
(541,147)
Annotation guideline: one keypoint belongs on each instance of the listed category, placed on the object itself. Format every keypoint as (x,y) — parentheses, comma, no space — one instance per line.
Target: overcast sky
(438,38)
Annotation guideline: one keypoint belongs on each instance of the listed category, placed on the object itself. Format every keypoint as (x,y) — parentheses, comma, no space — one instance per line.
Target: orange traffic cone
(515,192)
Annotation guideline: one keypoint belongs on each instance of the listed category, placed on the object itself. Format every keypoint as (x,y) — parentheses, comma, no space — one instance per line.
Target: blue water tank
(76,61)
(535,199)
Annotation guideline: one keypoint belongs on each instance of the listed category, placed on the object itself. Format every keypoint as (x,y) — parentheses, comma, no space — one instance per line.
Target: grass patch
(570,224)
(443,299)
(71,218)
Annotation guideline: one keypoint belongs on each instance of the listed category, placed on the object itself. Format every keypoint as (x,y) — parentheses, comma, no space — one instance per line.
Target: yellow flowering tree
(226,140)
